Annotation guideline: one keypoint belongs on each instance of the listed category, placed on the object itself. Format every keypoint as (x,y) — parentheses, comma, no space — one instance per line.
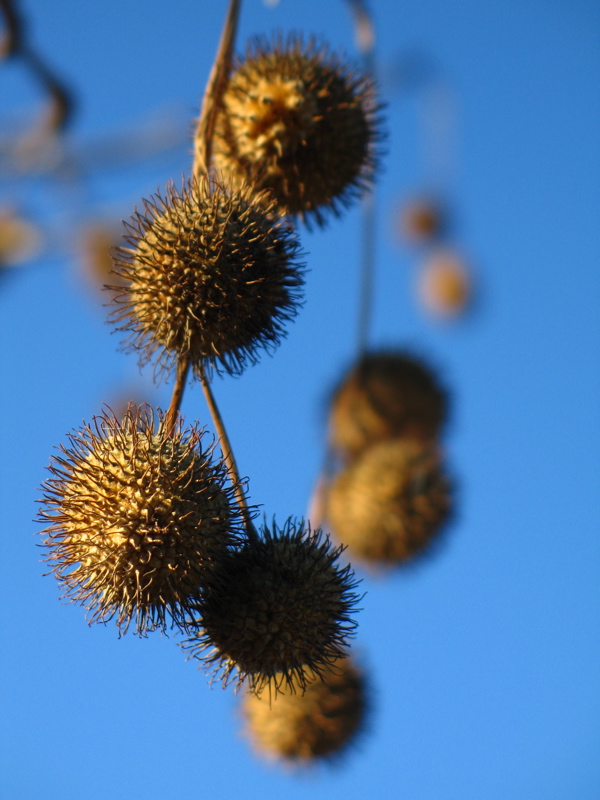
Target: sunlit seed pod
(20,240)
(138,518)
(298,121)
(320,722)
(391,503)
(444,285)
(281,610)
(386,394)
(211,275)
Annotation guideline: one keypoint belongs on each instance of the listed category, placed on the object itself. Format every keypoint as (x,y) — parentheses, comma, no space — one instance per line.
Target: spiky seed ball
(139,518)
(390,503)
(384,395)
(280,610)
(211,274)
(444,285)
(317,723)
(298,121)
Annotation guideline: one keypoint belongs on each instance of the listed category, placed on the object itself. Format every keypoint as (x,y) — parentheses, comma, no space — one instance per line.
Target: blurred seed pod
(422,220)
(386,394)
(444,284)
(97,243)
(139,518)
(298,121)
(211,275)
(390,503)
(20,240)
(300,727)
(281,610)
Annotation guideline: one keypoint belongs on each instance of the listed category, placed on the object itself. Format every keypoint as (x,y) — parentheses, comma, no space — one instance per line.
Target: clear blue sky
(485,658)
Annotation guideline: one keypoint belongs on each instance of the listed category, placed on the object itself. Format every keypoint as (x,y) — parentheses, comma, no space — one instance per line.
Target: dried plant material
(422,220)
(139,518)
(299,122)
(280,611)
(211,276)
(444,285)
(97,243)
(320,722)
(385,395)
(389,504)
(20,240)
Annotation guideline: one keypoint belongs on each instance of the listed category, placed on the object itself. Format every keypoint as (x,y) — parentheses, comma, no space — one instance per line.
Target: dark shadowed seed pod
(280,611)
(383,396)
(139,518)
(299,122)
(211,274)
(422,221)
(389,504)
(317,723)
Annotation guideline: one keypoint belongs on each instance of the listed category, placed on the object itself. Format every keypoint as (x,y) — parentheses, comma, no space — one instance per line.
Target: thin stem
(215,88)
(213,94)
(183,368)
(365,41)
(234,475)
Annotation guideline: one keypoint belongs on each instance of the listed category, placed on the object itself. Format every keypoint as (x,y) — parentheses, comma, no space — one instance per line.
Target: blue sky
(484,657)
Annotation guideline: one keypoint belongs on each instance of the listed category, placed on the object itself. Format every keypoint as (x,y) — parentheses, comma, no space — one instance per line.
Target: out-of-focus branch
(10,43)
(14,44)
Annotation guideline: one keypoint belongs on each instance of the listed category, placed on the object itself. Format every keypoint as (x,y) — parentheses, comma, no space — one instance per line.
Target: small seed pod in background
(281,610)
(299,122)
(97,242)
(211,275)
(301,727)
(20,239)
(422,220)
(444,285)
(386,394)
(139,518)
(389,504)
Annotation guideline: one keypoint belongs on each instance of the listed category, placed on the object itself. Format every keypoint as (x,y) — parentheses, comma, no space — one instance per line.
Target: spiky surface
(390,503)
(281,610)
(317,723)
(299,122)
(211,274)
(139,518)
(383,396)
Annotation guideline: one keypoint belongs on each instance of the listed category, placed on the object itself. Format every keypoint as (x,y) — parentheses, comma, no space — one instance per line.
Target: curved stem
(215,88)
(234,475)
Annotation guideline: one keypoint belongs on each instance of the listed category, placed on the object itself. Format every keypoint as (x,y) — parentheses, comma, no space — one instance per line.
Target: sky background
(484,657)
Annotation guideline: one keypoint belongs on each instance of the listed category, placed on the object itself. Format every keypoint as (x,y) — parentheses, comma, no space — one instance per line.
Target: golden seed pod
(211,275)
(280,609)
(320,722)
(390,503)
(385,395)
(444,285)
(299,122)
(139,518)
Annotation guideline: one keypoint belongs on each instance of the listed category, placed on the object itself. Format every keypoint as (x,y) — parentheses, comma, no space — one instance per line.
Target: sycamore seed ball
(139,518)
(211,275)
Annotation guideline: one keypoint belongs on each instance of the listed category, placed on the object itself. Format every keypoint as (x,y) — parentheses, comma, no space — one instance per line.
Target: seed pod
(139,519)
(444,285)
(299,122)
(280,610)
(317,723)
(385,395)
(390,503)
(423,220)
(211,275)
